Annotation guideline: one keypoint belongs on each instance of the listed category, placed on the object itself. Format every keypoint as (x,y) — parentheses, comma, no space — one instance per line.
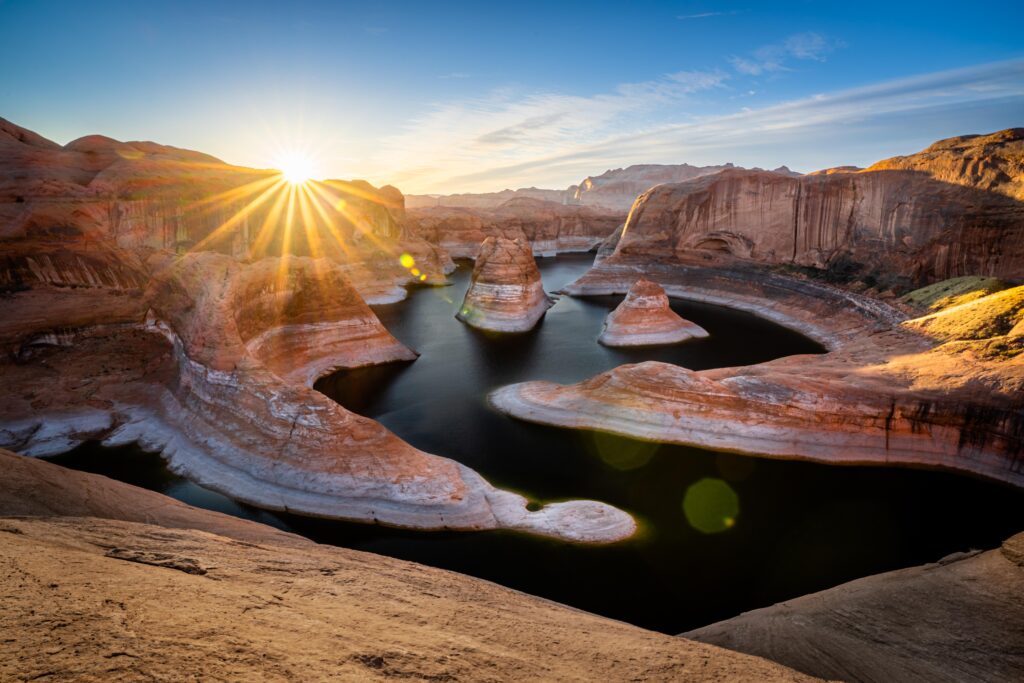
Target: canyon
(208,355)
(943,389)
(159,297)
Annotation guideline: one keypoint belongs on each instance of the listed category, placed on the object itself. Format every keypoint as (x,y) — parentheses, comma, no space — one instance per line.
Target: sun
(296,168)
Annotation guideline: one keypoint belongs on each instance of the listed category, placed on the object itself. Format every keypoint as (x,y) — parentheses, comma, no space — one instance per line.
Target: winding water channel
(721,533)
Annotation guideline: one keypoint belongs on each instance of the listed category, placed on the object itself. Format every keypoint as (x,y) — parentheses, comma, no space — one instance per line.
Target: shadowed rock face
(956,620)
(208,356)
(549,227)
(506,293)
(104,579)
(908,221)
(644,318)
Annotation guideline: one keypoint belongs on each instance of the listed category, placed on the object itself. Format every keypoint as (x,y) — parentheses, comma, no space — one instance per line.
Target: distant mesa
(644,318)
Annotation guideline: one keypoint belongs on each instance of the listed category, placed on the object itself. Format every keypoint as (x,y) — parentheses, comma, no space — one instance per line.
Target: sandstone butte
(158,296)
(938,389)
(644,318)
(506,293)
(105,581)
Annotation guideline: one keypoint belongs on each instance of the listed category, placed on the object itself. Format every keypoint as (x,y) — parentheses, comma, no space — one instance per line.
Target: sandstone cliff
(139,308)
(905,222)
(506,293)
(550,228)
(644,318)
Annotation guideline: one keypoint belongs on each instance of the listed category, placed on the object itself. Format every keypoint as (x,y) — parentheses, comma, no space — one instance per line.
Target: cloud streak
(772,58)
(506,140)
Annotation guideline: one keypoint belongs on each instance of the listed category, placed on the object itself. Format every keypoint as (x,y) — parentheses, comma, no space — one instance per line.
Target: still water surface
(785,528)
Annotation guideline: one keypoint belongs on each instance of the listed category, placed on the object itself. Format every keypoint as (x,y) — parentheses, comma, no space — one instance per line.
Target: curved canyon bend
(785,528)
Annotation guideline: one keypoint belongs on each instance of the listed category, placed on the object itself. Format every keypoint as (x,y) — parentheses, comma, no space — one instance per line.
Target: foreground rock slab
(506,293)
(644,318)
(959,619)
(201,594)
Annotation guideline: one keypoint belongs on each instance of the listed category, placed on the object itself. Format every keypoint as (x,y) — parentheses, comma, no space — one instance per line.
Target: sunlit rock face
(549,228)
(140,305)
(144,197)
(644,318)
(506,293)
(904,222)
(945,390)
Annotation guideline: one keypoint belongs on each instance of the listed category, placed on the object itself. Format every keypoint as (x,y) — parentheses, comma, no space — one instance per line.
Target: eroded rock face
(506,293)
(550,228)
(953,620)
(145,587)
(887,393)
(644,318)
(208,356)
(905,222)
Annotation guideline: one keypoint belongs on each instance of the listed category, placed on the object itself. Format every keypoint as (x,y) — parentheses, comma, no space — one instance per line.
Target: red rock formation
(618,189)
(484,200)
(887,393)
(144,196)
(208,356)
(958,610)
(900,227)
(146,587)
(550,228)
(506,293)
(993,162)
(644,318)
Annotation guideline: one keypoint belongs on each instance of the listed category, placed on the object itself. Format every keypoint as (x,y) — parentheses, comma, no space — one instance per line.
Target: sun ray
(238,217)
(270,223)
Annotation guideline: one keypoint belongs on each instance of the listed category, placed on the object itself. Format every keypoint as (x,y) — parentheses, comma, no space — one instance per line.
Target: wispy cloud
(772,58)
(508,126)
(453,75)
(701,15)
(553,139)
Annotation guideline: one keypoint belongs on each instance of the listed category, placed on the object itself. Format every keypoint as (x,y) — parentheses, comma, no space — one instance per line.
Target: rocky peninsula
(900,386)
(644,318)
(196,329)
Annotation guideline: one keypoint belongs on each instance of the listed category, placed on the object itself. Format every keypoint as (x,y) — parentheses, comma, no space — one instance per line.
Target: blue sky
(482,96)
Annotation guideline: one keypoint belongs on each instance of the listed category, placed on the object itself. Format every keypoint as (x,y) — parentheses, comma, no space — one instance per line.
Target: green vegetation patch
(989,316)
(953,292)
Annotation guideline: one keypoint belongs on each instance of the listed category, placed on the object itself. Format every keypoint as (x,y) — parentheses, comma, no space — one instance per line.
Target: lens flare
(711,506)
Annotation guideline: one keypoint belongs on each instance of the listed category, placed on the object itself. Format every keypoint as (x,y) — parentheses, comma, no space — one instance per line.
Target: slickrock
(959,619)
(156,588)
(644,318)
(208,355)
(506,293)
(549,227)
(902,223)
(944,391)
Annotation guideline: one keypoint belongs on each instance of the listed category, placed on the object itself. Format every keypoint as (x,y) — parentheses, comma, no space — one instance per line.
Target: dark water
(780,529)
